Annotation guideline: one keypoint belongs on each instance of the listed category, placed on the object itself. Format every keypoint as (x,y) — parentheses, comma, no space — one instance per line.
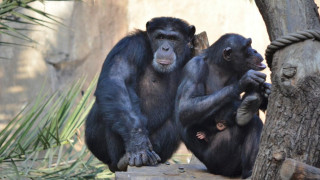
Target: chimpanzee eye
(160,36)
(172,38)
(246,50)
(249,51)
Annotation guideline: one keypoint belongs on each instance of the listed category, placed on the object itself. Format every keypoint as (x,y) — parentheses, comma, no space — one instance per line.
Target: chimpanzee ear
(248,42)
(227,54)
(192,30)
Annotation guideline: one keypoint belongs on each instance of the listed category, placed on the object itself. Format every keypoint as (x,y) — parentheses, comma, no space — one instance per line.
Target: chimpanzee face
(165,43)
(242,57)
(253,58)
(169,47)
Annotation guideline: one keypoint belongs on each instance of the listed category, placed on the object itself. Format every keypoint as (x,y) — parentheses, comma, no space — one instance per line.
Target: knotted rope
(288,40)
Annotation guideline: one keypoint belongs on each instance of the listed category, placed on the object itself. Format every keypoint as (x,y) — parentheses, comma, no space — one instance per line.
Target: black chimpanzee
(221,129)
(133,116)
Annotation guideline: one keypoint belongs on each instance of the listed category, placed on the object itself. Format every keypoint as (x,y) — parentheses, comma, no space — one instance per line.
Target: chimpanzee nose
(165,48)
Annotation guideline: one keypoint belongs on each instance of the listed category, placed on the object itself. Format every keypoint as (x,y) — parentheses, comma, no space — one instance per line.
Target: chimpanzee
(220,128)
(133,116)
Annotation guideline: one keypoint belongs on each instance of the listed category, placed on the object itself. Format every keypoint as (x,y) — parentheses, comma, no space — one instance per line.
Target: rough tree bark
(292,125)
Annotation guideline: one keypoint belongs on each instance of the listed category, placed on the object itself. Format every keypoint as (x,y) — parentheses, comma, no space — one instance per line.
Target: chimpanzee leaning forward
(221,128)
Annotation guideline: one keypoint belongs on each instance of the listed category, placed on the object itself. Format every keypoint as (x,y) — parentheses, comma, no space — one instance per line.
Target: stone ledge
(170,172)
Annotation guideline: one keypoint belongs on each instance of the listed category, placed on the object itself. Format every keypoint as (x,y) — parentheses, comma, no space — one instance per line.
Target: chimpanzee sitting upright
(208,100)
(133,116)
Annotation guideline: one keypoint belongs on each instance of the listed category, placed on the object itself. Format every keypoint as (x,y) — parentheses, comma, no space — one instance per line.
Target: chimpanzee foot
(147,158)
(248,107)
(123,163)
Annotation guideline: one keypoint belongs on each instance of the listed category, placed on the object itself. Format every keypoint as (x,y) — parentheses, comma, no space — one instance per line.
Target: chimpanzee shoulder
(135,48)
(196,69)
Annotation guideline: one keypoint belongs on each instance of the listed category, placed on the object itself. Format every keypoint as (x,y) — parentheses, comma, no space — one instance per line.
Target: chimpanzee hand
(266,89)
(138,152)
(252,79)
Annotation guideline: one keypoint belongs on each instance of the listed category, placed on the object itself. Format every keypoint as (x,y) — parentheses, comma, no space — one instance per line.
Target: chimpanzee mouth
(164,65)
(260,66)
(164,62)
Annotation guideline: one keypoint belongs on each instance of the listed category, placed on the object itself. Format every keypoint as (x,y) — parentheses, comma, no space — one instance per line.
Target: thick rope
(288,40)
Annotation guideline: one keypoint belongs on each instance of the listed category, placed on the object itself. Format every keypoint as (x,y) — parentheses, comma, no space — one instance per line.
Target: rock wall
(60,55)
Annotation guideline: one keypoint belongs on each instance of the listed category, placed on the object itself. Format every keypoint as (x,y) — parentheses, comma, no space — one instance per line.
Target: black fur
(210,93)
(132,117)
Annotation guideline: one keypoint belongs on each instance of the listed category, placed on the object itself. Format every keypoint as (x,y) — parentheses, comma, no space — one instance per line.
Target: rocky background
(92,27)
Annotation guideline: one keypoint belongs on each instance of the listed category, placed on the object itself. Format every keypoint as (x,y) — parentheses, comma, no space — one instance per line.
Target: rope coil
(288,40)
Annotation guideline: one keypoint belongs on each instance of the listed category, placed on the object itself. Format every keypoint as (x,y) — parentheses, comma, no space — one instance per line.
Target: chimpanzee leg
(223,155)
(165,140)
(107,146)
(249,106)
(251,145)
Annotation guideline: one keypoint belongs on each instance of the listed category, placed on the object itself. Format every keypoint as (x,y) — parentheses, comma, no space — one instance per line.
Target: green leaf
(16,20)
(6,7)
(43,141)
(15,31)
(15,169)
(13,35)
(12,44)
(29,18)
(9,7)
(49,16)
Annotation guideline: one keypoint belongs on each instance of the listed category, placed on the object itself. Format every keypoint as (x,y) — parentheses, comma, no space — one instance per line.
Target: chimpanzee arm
(117,101)
(119,104)
(192,103)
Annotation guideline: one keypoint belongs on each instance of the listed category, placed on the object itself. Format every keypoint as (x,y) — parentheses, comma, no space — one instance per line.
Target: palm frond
(44,140)
(16,11)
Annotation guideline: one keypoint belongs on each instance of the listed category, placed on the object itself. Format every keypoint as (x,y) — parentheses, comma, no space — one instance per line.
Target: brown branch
(292,169)
(200,43)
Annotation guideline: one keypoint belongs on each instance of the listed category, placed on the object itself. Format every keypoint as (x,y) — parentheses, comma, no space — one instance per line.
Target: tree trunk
(292,125)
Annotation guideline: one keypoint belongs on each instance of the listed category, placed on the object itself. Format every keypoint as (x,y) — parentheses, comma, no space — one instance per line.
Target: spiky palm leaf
(11,11)
(44,141)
